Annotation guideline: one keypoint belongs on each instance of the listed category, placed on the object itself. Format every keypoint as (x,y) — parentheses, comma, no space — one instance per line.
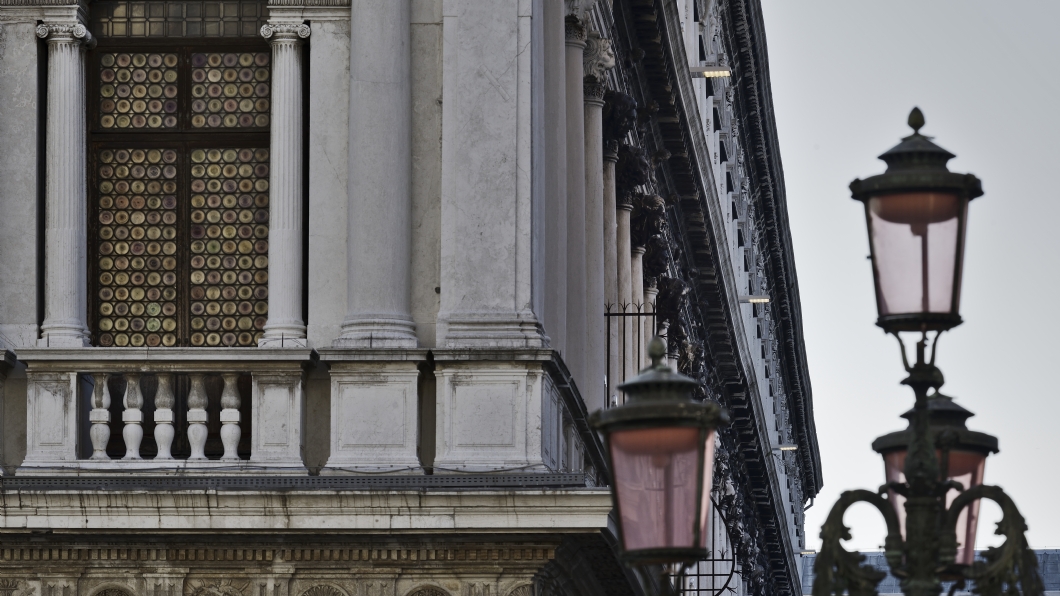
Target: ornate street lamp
(917,215)
(660,446)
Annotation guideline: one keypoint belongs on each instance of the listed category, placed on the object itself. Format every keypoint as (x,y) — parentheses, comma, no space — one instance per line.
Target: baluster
(230,431)
(164,431)
(132,416)
(100,416)
(197,417)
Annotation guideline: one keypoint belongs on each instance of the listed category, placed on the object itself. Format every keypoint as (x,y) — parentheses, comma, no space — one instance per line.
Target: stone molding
(285,31)
(301,3)
(486,554)
(306,512)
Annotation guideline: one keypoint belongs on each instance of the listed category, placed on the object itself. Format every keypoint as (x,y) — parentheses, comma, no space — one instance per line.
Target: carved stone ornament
(215,587)
(575,29)
(428,591)
(523,590)
(620,115)
(323,590)
(632,170)
(113,592)
(578,8)
(64,32)
(599,57)
(285,31)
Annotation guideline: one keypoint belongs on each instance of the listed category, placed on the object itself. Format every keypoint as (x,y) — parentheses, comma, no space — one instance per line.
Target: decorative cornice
(65,32)
(38,3)
(285,31)
(307,3)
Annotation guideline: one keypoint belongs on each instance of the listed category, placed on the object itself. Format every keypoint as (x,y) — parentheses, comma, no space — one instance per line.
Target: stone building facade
(314,297)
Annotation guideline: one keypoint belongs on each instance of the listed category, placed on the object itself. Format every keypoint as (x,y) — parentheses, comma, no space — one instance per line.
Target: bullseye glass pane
(230,90)
(138,90)
(229,232)
(136,253)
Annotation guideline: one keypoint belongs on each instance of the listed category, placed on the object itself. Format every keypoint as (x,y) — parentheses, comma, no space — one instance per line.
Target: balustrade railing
(109,409)
(188,395)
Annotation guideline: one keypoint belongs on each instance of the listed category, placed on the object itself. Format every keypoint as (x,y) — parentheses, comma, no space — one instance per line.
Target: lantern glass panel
(656,473)
(966,467)
(916,246)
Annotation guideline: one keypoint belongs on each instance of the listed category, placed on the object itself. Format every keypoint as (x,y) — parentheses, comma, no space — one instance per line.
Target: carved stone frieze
(428,591)
(216,587)
(323,590)
(308,3)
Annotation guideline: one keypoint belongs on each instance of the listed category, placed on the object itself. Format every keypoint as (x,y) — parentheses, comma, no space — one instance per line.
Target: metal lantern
(962,457)
(661,450)
(917,216)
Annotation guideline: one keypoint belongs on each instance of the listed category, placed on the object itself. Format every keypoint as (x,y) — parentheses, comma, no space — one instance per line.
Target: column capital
(575,30)
(599,57)
(275,32)
(65,32)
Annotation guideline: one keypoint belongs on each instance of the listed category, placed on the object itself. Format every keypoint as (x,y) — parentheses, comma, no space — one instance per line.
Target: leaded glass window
(179,179)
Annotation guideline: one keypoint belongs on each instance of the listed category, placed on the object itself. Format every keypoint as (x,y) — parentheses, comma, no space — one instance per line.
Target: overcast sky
(845,74)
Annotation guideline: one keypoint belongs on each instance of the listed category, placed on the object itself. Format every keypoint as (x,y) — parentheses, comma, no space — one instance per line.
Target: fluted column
(379,248)
(66,234)
(577,304)
(598,59)
(285,327)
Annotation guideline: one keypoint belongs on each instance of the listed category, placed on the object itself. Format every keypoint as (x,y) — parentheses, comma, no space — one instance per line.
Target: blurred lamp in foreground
(661,449)
(962,457)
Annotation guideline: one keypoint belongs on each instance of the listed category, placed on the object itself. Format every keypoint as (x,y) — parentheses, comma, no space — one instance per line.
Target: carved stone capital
(579,8)
(285,31)
(575,28)
(65,32)
(594,90)
(611,150)
(599,57)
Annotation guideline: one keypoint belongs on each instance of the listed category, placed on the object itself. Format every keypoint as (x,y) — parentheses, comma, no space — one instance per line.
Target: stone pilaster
(577,304)
(379,309)
(598,58)
(555,158)
(285,327)
(66,233)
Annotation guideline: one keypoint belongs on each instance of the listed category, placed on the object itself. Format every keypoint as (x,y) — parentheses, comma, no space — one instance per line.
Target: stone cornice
(307,3)
(308,512)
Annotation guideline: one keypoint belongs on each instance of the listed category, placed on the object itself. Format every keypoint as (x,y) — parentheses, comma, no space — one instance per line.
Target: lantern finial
(916,120)
(656,350)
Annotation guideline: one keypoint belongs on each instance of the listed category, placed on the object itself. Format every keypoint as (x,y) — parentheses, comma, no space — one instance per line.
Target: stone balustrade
(198,403)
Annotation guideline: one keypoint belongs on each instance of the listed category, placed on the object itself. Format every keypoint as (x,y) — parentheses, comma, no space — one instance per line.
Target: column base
(377,331)
(63,336)
(492,330)
(284,335)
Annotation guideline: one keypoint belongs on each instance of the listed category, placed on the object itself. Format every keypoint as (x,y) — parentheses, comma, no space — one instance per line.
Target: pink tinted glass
(966,467)
(915,244)
(656,481)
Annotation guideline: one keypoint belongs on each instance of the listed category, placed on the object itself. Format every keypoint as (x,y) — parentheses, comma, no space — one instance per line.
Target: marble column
(66,232)
(555,157)
(379,309)
(625,288)
(285,327)
(597,59)
(640,342)
(577,304)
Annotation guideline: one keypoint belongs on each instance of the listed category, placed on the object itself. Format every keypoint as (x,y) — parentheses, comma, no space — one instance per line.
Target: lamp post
(917,214)
(660,447)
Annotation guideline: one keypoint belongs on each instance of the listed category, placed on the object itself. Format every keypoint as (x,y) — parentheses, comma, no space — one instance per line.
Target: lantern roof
(916,151)
(947,420)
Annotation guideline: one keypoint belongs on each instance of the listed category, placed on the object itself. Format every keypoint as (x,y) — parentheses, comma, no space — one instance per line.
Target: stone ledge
(315,512)
(150,359)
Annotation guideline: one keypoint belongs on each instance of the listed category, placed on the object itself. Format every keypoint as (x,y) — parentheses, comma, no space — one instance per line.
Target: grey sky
(845,74)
